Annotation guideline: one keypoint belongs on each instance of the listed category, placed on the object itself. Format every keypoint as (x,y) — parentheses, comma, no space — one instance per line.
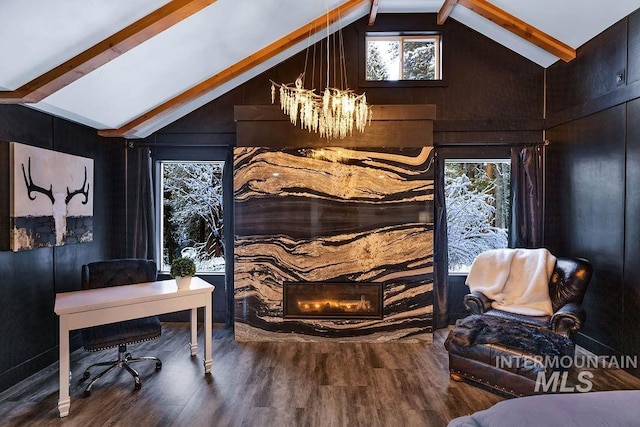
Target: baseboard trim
(26,369)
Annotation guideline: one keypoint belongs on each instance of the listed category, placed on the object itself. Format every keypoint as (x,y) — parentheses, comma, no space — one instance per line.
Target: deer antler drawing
(59,202)
(32,188)
(81,190)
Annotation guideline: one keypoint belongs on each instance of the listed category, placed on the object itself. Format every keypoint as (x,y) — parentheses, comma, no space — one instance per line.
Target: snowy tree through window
(477,196)
(191,214)
(390,58)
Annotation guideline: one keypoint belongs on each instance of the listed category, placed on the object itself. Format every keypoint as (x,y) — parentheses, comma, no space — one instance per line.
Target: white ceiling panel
(176,60)
(38,35)
(574,22)
(409,6)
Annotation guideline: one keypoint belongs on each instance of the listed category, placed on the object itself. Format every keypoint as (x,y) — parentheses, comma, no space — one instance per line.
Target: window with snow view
(477,195)
(191,222)
(402,57)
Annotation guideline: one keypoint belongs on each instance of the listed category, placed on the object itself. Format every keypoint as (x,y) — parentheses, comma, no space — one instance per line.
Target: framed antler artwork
(50,198)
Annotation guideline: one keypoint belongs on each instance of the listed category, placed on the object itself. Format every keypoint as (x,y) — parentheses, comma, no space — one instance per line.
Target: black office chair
(115,273)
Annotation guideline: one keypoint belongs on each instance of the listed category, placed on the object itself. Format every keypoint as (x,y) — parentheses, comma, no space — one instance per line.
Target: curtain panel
(441,258)
(143,212)
(527,197)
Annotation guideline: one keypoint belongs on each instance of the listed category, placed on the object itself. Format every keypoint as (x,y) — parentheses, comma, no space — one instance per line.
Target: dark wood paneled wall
(593,179)
(585,210)
(404,125)
(631,273)
(30,279)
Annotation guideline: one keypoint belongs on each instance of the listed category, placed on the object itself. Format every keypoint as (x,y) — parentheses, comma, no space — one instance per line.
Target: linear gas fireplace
(332,300)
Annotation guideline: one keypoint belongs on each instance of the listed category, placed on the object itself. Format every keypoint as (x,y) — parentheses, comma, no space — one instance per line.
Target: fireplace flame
(335,305)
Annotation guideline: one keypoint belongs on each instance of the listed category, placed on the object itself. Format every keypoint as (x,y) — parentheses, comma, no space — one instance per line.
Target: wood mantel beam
(374,12)
(235,70)
(104,51)
(445,10)
(520,28)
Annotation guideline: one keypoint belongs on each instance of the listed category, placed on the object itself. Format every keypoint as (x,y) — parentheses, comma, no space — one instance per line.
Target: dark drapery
(227,179)
(526,196)
(440,312)
(526,215)
(142,211)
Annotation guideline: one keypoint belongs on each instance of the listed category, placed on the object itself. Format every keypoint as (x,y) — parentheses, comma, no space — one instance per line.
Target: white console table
(81,309)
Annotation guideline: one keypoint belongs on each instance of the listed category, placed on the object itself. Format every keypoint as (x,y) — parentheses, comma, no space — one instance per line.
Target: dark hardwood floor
(264,384)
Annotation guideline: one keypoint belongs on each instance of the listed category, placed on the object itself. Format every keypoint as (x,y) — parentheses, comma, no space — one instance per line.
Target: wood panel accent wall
(592,74)
(585,211)
(391,126)
(30,279)
(630,291)
(593,180)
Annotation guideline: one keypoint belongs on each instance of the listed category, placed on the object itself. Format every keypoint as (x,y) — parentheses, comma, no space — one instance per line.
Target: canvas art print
(51,198)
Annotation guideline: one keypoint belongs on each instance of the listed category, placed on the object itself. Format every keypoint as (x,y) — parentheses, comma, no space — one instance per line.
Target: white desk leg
(194,331)
(64,401)
(208,358)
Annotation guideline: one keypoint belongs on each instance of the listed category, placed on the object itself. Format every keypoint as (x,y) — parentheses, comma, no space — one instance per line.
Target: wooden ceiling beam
(445,10)
(104,51)
(246,64)
(520,28)
(373,12)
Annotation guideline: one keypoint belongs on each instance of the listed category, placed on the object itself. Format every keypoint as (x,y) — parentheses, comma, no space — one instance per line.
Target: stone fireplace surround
(333,214)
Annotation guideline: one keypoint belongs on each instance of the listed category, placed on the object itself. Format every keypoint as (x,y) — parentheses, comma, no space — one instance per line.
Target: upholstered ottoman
(505,355)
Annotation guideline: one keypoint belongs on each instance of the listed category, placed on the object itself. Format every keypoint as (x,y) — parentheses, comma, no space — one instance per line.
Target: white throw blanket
(516,279)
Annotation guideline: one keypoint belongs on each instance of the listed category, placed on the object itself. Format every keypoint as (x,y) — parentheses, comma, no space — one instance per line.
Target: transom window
(191,208)
(402,57)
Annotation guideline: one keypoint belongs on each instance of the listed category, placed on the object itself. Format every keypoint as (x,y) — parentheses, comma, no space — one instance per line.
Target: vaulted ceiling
(130,67)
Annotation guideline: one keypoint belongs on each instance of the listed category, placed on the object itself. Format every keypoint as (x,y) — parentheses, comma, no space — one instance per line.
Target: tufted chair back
(117,272)
(569,281)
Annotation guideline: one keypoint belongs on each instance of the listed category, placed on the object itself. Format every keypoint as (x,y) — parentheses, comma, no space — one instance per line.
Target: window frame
(441,72)
(484,154)
(194,155)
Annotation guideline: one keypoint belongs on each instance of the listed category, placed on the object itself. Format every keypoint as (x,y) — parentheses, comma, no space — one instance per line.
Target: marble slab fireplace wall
(333,214)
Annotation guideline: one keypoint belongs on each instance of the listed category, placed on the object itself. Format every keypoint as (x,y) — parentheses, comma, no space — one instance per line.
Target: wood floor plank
(265,384)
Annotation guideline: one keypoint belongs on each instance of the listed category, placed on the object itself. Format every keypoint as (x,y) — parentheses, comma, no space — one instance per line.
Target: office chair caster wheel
(86,375)
(138,385)
(158,365)
(87,393)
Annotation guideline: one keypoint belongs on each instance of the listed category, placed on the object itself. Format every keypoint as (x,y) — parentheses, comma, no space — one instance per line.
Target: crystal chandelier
(332,114)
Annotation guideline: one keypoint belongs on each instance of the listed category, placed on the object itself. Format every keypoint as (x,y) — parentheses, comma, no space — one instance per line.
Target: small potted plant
(182,269)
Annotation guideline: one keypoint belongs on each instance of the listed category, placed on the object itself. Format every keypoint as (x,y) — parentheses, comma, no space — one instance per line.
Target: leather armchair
(567,287)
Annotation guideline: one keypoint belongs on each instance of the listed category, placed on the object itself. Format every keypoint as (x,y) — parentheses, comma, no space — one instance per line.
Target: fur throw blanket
(516,279)
(483,329)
